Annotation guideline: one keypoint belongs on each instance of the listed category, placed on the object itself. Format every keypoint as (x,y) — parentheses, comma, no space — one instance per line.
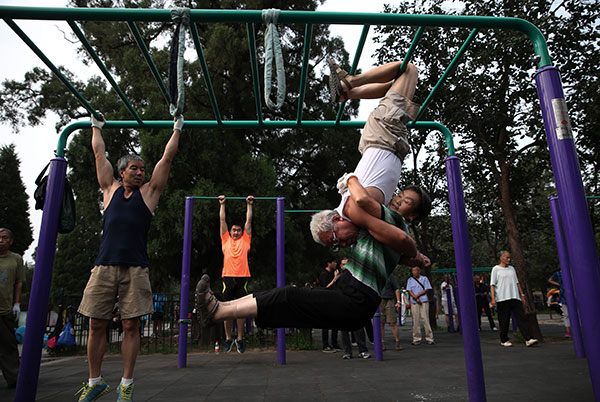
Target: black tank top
(125,231)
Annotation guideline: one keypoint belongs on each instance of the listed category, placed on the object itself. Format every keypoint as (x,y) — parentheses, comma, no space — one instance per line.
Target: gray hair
(501,253)
(9,232)
(322,222)
(124,161)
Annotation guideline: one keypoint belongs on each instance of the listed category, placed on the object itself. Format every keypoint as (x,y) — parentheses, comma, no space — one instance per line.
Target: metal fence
(159,333)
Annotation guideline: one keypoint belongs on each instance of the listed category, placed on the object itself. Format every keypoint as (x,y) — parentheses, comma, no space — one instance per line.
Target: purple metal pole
(377,336)
(185,282)
(450,315)
(280,273)
(563,258)
(514,321)
(465,291)
(40,288)
(581,245)
(457,301)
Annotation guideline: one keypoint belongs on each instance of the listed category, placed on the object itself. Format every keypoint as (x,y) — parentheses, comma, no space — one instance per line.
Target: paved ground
(549,372)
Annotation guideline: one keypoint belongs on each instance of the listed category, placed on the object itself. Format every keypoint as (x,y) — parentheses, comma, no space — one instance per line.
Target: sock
(126,381)
(94,381)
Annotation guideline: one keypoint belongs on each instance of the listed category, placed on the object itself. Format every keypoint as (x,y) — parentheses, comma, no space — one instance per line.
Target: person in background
(508,296)
(481,296)
(327,278)
(12,276)
(556,280)
(445,308)
(391,303)
(417,287)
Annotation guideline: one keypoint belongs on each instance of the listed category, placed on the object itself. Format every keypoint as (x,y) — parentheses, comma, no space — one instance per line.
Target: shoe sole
(101,394)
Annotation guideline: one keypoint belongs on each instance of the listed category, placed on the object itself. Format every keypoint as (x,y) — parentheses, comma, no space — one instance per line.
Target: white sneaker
(531,342)
(494,329)
(507,344)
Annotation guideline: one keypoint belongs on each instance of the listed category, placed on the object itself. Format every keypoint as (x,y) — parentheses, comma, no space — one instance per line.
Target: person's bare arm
(222,216)
(553,282)
(104,170)
(521,293)
(493,295)
(363,198)
(248,225)
(154,188)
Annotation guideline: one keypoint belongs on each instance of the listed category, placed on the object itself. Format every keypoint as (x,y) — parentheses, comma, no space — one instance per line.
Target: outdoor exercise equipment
(580,242)
(185,271)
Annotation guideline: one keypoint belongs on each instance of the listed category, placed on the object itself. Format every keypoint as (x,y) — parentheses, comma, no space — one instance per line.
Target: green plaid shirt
(371,262)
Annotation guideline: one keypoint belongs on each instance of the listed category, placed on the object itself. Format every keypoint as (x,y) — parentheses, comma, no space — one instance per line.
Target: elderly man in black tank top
(122,264)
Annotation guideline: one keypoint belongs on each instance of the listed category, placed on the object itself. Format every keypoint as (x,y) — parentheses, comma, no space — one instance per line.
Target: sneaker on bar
(91,393)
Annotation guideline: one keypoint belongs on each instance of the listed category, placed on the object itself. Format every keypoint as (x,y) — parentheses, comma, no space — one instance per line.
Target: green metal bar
(242,124)
(593,197)
(232,198)
(52,67)
(202,60)
(305,59)
(302,210)
(448,71)
(103,68)
(254,66)
(453,270)
(288,17)
(359,49)
(431,125)
(140,42)
(410,51)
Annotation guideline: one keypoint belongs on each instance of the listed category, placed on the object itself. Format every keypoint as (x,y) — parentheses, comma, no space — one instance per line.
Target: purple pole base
(40,288)
(377,336)
(465,292)
(563,258)
(185,282)
(579,235)
(280,224)
(514,321)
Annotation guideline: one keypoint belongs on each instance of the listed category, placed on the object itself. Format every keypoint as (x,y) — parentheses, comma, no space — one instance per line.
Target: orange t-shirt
(235,255)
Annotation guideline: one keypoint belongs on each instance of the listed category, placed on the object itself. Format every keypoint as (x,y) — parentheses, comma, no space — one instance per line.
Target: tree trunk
(518,260)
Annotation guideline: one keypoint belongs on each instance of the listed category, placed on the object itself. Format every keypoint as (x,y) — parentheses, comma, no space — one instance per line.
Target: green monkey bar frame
(547,76)
(252,17)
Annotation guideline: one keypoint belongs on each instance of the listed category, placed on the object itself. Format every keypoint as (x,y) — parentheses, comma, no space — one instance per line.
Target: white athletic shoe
(507,344)
(531,342)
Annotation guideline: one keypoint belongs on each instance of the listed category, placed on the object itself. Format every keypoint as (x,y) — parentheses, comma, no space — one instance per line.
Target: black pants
(482,304)
(9,353)
(361,340)
(504,309)
(348,305)
(325,338)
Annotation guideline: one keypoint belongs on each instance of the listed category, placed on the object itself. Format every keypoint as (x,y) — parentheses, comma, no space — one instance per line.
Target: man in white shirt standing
(417,287)
(509,297)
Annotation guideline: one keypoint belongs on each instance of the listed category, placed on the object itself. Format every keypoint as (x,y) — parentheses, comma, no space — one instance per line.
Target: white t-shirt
(504,280)
(377,168)
(444,293)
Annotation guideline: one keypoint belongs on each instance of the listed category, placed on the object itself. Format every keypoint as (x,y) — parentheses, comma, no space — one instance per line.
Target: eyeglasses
(335,243)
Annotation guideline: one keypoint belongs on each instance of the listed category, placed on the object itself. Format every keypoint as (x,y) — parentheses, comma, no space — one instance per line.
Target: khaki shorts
(131,284)
(388,310)
(386,125)
(445,307)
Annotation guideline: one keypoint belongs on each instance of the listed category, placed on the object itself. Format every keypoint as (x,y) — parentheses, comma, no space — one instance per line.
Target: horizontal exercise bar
(287,17)
(240,124)
(302,210)
(232,198)
(103,68)
(52,67)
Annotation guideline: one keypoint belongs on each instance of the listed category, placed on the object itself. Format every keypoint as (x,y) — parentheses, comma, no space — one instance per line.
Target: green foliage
(14,207)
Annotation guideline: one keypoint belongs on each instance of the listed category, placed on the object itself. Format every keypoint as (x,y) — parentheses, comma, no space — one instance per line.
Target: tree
(492,103)
(301,165)
(14,207)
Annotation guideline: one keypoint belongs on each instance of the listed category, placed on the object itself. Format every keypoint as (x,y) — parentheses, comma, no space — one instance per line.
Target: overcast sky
(35,145)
